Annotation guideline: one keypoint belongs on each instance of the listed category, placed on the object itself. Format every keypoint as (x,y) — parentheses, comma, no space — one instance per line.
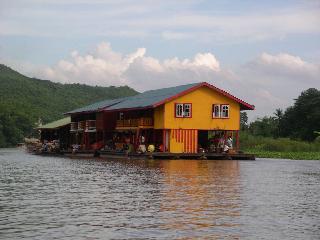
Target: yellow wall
(183,141)
(202,100)
(159,117)
(175,146)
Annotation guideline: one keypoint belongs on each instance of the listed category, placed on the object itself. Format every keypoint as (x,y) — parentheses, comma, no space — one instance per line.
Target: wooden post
(164,140)
(237,141)
(154,136)
(137,138)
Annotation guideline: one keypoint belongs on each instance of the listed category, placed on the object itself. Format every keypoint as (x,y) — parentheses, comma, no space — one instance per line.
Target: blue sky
(266,52)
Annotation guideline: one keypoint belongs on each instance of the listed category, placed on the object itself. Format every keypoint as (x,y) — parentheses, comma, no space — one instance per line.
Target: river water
(61,198)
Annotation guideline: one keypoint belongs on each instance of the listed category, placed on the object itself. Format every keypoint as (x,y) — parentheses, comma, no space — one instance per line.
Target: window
(225,111)
(220,111)
(179,110)
(187,110)
(121,116)
(216,111)
(183,110)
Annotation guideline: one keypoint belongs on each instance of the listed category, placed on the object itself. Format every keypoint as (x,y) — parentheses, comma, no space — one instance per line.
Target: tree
(265,127)
(303,118)
(278,118)
(243,120)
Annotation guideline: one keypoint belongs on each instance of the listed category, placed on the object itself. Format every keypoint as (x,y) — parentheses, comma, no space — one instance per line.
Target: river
(61,198)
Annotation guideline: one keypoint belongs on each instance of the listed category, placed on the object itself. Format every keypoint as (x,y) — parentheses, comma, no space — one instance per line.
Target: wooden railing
(135,122)
(81,125)
(90,125)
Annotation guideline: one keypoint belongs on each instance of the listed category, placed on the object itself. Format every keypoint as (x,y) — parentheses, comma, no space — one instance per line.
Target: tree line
(300,121)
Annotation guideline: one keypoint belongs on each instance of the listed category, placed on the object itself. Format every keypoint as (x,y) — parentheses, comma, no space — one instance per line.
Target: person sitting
(228,145)
(229,142)
(142,146)
(226,148)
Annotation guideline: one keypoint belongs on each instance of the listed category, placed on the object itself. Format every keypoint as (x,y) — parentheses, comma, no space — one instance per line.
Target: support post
(164,140)
(237,141)
(137,138)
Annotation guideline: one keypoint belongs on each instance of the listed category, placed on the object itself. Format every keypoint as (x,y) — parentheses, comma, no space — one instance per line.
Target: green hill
(24,100)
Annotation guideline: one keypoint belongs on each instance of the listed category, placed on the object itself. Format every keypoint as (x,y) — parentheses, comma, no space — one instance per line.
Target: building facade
(182,119)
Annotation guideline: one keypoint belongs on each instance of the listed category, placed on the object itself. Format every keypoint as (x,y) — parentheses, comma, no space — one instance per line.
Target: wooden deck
(160,155)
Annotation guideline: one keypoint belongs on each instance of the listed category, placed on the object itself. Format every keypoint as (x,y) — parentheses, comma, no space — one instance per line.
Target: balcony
(87,126)
(81,125)
(135,123)
(90,126)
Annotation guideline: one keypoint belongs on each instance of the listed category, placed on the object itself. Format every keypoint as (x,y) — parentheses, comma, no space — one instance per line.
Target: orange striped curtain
(189,138)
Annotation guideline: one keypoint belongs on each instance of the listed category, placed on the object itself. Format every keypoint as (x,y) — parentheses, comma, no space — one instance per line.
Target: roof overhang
(56,124)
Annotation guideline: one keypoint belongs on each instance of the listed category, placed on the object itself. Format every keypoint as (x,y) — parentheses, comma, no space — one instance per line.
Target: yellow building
(182,119)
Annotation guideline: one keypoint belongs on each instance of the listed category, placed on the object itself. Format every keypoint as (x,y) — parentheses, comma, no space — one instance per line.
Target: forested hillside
(24,100)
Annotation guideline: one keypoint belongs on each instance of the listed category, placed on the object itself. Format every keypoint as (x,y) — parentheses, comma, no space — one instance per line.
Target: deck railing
(81,125)
(135,122)
(90,125)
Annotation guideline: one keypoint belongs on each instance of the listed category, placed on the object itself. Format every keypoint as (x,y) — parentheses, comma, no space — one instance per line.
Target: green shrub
(266,144)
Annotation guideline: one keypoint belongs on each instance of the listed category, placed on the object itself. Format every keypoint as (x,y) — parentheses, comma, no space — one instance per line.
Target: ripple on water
(48,198)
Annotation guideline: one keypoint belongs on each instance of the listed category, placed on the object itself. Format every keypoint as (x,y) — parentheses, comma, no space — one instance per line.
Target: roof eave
(126,109)
(246,107)
(54,128)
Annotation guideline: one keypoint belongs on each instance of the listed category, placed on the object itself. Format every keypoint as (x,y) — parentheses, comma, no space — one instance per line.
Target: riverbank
(264,147)
(286,155)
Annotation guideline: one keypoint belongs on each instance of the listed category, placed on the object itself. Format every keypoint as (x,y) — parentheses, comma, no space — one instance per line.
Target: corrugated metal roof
(149,98)
(97,106)
(56,124)
(154,98)
(142,100)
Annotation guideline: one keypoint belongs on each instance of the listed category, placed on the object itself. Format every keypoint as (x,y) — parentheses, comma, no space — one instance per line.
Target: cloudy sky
(265,52)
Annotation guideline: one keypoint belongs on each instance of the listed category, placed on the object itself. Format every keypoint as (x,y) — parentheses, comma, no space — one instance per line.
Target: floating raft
(158,155)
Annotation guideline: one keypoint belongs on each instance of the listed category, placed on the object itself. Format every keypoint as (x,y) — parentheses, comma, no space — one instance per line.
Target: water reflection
(201,196)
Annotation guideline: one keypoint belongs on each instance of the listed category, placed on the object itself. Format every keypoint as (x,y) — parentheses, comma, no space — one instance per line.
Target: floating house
(181,119)
(57,130)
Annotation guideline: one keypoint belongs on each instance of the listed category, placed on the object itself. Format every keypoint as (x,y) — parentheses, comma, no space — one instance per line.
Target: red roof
(243,105)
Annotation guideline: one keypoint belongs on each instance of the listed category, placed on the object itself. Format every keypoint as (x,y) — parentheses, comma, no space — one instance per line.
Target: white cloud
(276,80)
(284,68)
(103,66)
